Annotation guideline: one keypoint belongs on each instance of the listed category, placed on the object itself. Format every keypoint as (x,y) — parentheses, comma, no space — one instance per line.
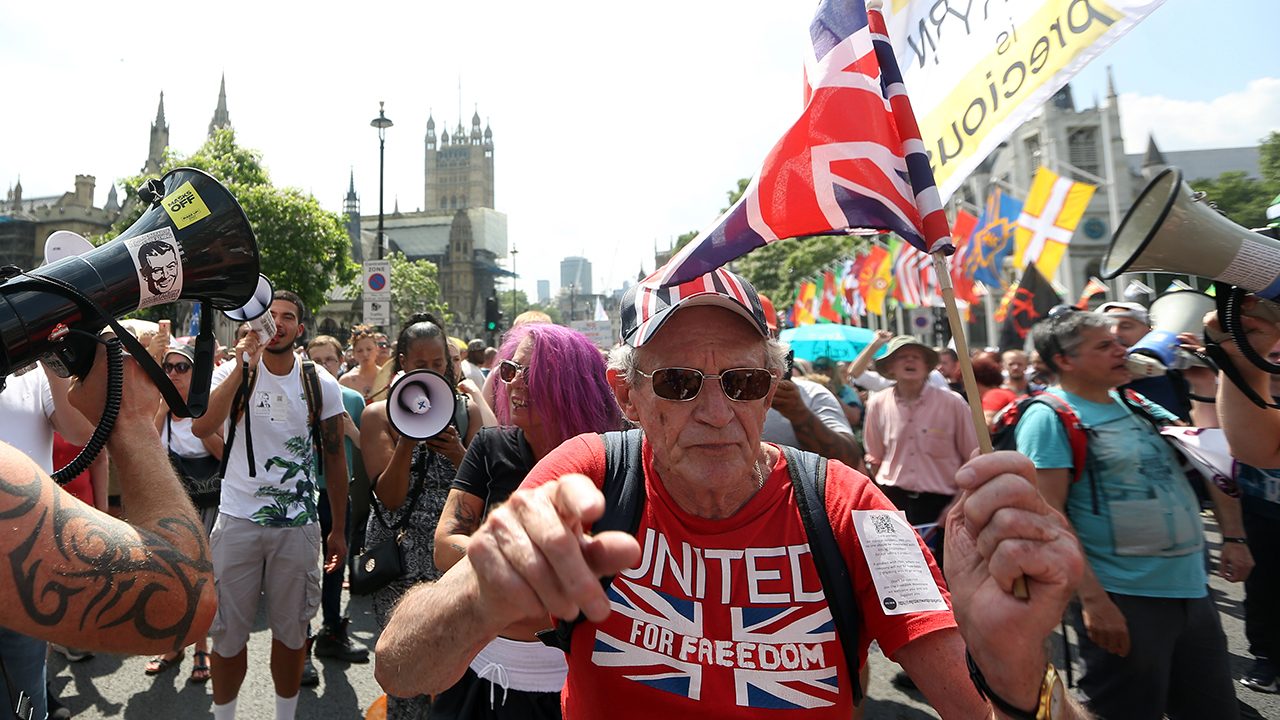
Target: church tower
(159,141)
(459,170)
(351,208)
(221,118)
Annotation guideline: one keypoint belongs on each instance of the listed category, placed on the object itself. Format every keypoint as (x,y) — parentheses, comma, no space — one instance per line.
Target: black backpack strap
(809,481)
(623,506)
(315,398)
(238,404)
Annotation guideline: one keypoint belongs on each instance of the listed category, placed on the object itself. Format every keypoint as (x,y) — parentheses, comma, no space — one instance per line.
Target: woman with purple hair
(552,387)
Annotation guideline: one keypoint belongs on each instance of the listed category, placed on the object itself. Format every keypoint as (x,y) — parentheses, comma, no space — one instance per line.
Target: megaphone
(257,313)
(1171,228)
(193,242)
(1171,314)
(63,244)
(421,404)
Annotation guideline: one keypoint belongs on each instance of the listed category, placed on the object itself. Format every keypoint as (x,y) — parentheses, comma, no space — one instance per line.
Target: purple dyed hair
(566,380)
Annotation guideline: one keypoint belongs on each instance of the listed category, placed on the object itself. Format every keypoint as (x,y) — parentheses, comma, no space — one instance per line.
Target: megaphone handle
(110,411)
(202,372)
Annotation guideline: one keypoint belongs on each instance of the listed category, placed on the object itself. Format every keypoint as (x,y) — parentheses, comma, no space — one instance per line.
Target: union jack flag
(854,159)
(760,684)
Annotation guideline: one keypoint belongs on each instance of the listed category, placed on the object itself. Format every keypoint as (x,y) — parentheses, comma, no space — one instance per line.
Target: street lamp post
(382,122)
(514,308)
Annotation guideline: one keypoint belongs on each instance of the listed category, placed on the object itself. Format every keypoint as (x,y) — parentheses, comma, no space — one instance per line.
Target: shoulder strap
(808,473)
(623,506)
(311,391)
(240,403)
(1142,406)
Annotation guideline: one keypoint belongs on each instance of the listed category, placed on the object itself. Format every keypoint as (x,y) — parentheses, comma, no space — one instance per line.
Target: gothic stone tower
(459,170)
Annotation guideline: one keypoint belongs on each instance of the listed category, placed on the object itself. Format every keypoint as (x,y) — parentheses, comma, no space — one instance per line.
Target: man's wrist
(1013,685)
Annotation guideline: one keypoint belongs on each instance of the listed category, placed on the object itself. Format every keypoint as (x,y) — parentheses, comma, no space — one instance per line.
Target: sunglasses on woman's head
(182,367)
(683,384)
(509,369)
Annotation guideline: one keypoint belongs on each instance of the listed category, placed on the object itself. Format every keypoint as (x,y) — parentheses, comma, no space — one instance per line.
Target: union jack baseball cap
(645,309)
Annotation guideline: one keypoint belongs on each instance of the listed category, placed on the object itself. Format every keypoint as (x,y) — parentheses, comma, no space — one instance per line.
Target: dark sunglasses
(181,367)
(509,369)
(384,344)
(683,384)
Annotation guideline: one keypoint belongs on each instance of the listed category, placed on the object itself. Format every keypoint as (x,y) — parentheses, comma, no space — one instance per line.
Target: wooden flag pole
(966,373)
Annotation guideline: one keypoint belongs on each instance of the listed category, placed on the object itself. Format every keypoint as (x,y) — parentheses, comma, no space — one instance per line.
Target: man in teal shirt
(1149,634)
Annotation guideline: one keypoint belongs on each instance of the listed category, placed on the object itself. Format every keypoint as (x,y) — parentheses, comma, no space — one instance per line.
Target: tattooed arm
(814,433)
(336,484)
(85,579)
(460,518)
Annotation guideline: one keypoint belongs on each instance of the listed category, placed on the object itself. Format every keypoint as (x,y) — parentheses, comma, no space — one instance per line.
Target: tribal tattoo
(102,577)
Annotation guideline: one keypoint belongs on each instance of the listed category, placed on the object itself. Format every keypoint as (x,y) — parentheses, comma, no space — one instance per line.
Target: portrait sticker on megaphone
(421,404)
(158,258)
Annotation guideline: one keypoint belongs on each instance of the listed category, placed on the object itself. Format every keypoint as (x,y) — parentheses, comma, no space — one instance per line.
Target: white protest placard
(599,332)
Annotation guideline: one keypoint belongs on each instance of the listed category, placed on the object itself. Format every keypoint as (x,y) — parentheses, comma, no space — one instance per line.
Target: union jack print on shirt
(786,666)
(854,159)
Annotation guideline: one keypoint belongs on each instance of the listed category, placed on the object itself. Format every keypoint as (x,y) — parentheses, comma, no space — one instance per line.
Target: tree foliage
(303,247)
(415,288)
(1242,198)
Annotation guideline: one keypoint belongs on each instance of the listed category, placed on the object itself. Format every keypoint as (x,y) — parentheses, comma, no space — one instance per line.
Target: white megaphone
(256,312)
(1171,228)
(421,404)
(1171,314)
(64,244)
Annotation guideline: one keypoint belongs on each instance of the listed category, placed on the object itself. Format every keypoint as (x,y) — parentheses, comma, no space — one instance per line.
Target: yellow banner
(1049,217)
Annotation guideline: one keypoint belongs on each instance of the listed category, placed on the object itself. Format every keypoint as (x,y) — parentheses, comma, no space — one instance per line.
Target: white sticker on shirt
(261,404)
(279,407)
(898,568)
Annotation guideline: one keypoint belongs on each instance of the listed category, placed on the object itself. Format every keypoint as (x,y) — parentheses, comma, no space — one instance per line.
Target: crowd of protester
(1148,635)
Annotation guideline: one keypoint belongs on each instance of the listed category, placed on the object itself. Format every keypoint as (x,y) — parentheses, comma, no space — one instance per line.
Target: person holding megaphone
(410,475)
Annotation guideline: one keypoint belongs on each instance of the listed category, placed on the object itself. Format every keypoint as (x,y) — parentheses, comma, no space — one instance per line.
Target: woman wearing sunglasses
(551,387)
(191,452)
(403,471)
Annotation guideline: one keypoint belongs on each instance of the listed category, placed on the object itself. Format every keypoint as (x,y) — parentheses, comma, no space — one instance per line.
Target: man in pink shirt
(916,435)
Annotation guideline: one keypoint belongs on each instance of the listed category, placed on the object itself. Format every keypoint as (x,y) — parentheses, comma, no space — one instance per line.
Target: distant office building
(576,271)
(544,292)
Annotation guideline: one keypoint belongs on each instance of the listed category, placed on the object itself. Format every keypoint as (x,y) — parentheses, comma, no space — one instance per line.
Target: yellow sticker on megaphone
(185,206)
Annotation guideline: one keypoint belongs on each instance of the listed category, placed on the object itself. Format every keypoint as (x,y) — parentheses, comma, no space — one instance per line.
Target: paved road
(109,686)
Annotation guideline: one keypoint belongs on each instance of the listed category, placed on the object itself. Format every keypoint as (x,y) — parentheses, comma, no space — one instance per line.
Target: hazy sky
(617,126)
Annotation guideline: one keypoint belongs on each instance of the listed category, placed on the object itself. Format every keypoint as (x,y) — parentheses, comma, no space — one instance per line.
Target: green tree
(415,288)
(303,247)
(1243,199)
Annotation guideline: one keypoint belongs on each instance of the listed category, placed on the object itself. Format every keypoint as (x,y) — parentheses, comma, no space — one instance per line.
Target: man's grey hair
(625,359)
(1062,335)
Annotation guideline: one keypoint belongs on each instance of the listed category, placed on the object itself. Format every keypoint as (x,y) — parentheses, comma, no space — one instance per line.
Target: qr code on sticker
(883,524)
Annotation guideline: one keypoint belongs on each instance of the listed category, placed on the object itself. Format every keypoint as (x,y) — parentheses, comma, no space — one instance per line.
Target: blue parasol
(840,343)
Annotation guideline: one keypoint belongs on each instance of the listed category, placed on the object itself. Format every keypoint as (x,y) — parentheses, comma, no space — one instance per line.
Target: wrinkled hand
(531,557)
(335,550)
(787,400)
(1106,625)
(1236,562)
(139,401)
(999,530)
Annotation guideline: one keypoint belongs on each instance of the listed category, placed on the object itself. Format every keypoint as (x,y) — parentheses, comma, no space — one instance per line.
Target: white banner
(975,71)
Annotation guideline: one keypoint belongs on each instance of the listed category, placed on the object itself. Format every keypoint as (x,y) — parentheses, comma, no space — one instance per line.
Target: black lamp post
(514,307)
(382,122)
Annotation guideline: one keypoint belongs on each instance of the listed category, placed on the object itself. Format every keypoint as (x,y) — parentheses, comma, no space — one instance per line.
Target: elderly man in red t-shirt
(716,609)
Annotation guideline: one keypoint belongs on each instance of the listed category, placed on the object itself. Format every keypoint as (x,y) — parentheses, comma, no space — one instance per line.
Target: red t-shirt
(997,398)
(726,618)
(81,486)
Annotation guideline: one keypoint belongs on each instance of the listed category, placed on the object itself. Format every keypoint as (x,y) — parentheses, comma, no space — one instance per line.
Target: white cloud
(1235,119)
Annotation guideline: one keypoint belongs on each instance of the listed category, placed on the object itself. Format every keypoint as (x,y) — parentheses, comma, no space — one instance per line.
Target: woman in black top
(552,388)
(412,477)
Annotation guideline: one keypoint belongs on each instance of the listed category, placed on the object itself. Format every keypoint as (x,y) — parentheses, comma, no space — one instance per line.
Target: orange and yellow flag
(1049,217)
